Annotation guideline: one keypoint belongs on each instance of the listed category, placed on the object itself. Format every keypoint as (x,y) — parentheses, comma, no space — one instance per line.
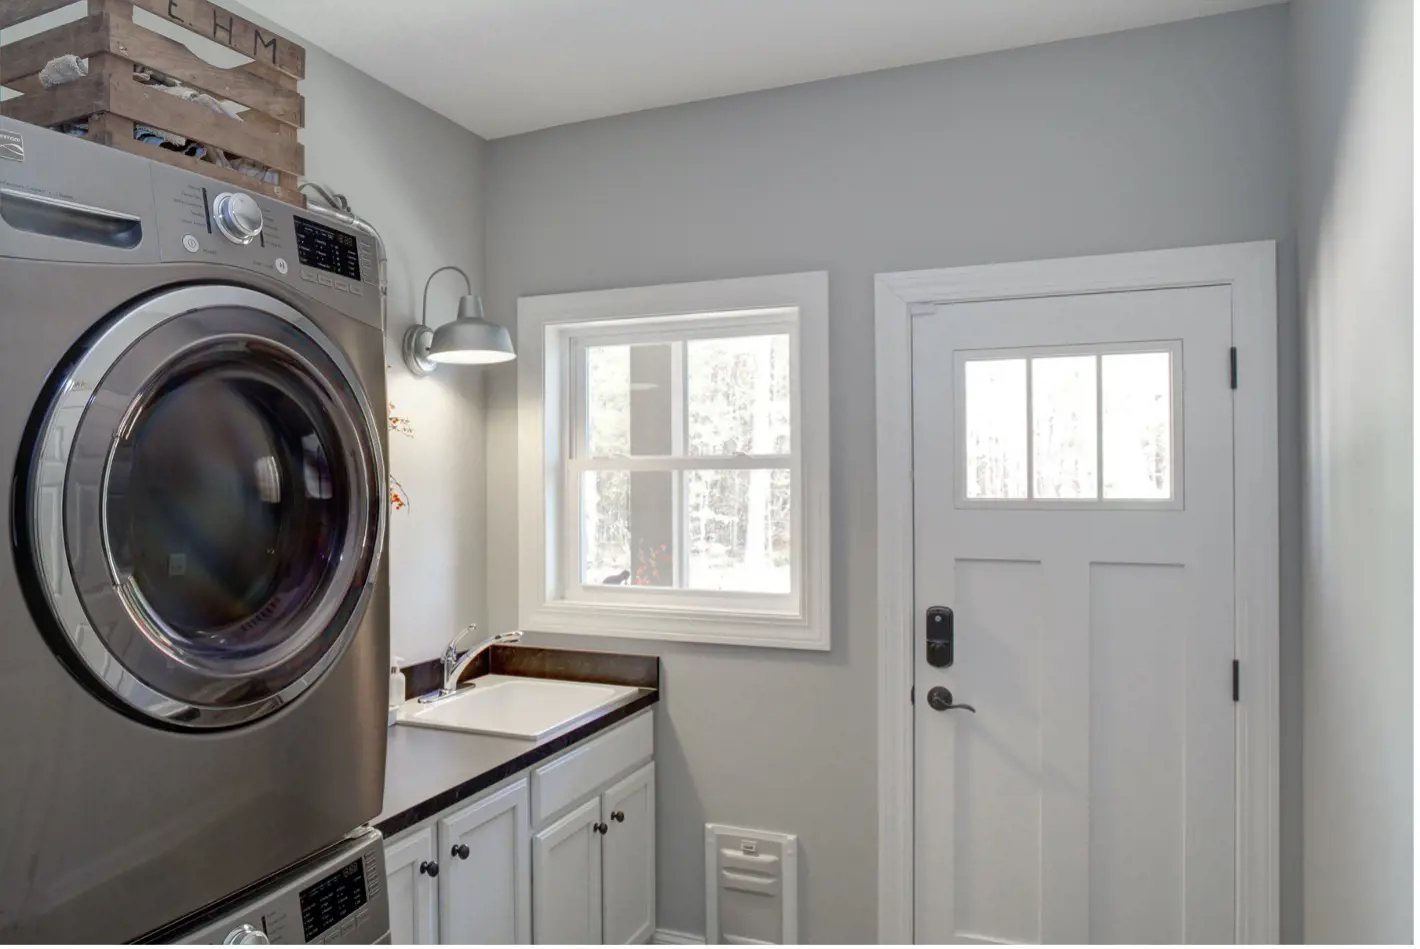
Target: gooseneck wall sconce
(468,340)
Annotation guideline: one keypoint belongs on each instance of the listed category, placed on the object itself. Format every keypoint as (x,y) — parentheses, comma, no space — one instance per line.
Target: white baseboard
(669,937)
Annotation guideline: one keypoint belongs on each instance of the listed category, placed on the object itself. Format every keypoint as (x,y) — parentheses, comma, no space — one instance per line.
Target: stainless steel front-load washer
(193,608)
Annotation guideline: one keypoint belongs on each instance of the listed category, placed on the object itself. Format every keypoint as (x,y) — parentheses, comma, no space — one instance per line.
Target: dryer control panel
(204,220)
(338,898)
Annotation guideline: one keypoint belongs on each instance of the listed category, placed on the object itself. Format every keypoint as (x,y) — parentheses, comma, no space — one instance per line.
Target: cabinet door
(412,894)
(629,859)
(486,883)
(567,879)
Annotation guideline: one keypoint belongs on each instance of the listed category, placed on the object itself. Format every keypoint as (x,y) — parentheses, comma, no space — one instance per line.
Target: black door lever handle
(940,698)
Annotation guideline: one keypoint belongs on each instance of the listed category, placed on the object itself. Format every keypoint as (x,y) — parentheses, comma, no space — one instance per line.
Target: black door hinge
(1237,680)
(912,696)
(1233,367)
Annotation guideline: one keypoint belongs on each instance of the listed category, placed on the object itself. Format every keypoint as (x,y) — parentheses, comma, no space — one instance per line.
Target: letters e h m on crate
(128,66)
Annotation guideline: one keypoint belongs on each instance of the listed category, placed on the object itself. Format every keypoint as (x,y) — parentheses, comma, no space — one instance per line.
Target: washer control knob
(246,935)
(238,217)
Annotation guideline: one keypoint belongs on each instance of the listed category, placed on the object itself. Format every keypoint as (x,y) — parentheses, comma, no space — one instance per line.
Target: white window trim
(800,621)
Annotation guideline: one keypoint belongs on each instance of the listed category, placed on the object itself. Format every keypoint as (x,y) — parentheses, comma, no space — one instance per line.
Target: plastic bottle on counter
(396,688)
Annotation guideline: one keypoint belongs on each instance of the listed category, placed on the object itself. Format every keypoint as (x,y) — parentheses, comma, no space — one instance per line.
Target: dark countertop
(430,769)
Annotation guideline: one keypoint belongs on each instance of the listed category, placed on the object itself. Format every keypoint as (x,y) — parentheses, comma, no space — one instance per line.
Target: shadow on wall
(677,837)
(1354,209)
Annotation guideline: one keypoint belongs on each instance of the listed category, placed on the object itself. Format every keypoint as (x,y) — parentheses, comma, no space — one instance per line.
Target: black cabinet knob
(429,868)
(461,851)
(600,827)
(618,816)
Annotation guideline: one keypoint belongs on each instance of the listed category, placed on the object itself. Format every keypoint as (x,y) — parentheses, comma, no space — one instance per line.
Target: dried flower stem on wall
(400,425)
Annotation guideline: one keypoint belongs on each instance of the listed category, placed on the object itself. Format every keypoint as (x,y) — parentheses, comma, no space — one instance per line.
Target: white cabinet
(629,859)
(594,871)
(486,880)
(410,866)
(567,879)
(564,853)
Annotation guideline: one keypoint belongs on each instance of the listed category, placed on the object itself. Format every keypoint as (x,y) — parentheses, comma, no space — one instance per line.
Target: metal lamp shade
(470,340)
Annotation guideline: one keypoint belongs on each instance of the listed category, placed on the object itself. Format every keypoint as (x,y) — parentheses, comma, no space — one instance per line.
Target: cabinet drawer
(564,781)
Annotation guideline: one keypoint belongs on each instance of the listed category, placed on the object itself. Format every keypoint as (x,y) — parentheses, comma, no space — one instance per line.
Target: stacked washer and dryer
(193,605)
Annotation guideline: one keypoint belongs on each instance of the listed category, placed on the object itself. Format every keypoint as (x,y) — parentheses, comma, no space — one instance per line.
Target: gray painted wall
(1355,199)
(418,177)
(1165,137)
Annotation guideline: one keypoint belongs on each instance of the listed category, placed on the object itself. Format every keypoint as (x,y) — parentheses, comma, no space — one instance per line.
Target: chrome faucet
(455,662)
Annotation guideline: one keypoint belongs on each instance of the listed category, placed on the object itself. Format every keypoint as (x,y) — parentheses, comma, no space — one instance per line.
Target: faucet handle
(457,641)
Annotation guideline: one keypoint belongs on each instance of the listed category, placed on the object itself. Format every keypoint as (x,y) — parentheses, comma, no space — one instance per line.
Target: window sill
(766,630)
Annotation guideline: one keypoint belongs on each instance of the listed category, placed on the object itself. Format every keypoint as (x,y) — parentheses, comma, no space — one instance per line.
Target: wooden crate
(113,102)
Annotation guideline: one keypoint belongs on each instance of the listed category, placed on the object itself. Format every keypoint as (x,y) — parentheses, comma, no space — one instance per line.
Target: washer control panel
(65,199)
(237,216)
(199,219)
(338,898)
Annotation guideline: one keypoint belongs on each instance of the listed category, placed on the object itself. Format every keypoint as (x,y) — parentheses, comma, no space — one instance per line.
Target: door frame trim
(1250,269)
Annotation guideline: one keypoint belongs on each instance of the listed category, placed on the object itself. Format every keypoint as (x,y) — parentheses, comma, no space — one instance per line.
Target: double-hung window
(673,453)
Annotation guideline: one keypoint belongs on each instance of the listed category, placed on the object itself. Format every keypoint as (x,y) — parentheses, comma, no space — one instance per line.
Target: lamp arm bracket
(424,309)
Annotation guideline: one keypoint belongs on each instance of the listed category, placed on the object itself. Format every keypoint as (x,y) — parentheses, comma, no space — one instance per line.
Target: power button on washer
(281,266)
(190,244)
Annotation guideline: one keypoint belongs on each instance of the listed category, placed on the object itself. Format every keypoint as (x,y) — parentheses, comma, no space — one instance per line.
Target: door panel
(629,859)
(567,879)
(998,846)
(1136,773)
(485,890)
(412,892)
(1073,499)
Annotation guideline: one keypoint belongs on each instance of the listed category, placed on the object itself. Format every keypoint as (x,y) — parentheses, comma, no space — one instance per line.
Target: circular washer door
(206,506)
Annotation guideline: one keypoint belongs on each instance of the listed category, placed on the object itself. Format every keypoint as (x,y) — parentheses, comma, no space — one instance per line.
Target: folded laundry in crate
(63,69)
(68,68)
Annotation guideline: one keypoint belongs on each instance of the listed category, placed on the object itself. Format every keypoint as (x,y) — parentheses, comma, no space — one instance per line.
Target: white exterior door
(629,859)
(485,890)
(413,894)
(1073,507)
(567,879)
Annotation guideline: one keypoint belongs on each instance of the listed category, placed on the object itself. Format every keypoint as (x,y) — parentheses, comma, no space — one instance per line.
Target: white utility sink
(513,706)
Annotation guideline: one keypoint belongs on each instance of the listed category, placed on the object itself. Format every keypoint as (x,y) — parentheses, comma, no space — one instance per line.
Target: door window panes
(995,428)
(1069,426)
(1063,420)
(1137,410)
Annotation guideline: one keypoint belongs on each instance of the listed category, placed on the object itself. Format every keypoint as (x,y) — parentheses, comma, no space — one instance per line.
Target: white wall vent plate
(751,887)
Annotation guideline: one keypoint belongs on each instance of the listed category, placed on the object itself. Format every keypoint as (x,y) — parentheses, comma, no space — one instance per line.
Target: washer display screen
(325,248)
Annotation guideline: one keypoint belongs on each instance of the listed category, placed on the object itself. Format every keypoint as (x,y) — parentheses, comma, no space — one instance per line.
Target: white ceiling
(500,67)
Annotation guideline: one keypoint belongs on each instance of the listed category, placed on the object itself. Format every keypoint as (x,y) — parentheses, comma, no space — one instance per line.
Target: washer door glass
(224,512)
(223,506)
